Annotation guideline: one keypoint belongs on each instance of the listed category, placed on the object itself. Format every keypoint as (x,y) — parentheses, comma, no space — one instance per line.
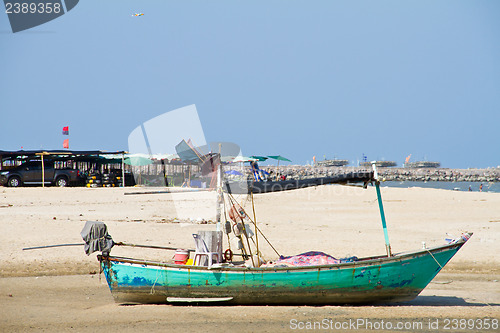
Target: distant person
(470,188)
(481,188)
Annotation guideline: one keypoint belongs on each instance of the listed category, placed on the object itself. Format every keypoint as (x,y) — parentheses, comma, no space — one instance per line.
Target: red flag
(66,130)
(66,143)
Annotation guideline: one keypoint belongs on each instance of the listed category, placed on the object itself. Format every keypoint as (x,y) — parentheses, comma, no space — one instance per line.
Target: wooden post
(256,232)
(43,171)
(123,169)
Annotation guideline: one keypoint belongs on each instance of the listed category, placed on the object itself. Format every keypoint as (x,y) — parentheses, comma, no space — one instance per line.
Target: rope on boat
(267,240)
(152,291)
(434,258)
(234,203)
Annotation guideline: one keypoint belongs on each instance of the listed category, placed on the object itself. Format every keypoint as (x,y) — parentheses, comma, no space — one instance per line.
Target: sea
(452,186)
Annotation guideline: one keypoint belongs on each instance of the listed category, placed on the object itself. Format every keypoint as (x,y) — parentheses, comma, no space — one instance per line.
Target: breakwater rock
(392,174)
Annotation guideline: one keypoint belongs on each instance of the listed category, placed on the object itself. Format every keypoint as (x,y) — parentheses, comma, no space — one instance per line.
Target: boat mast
(218,214)
(381,208)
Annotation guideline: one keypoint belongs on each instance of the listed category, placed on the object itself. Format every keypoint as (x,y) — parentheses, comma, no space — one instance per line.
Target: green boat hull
(369,280)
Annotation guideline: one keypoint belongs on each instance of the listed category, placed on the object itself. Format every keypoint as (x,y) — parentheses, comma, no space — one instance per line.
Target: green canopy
(259,158)
(138,161)
(279,158)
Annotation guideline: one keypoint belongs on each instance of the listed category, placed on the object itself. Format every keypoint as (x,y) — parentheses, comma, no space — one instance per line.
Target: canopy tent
(63,155)
(138,161)
(34,153)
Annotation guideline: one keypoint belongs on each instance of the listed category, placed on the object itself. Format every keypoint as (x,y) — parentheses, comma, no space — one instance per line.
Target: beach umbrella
(244,159)
(279,158)
(227,159)
(138,161)
(234,172)
(259,158)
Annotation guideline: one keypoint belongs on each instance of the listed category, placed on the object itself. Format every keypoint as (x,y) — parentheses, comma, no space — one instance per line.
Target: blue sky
(296,78)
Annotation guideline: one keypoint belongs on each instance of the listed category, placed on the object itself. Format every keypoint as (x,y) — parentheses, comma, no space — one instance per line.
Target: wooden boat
(400,277)
(394,277)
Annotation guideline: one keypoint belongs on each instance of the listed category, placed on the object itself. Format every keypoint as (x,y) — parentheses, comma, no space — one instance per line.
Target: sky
(331,79)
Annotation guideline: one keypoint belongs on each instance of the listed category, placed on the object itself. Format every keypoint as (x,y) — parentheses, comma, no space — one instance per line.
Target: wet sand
(84,304)
(58,289)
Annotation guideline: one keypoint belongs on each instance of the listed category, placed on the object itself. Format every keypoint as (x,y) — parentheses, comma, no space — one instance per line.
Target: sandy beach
(59,289)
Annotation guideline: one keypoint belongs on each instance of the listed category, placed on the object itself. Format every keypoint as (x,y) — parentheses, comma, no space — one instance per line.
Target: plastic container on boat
(181,256)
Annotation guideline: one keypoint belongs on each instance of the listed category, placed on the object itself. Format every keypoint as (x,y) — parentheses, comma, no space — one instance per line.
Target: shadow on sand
(441,301)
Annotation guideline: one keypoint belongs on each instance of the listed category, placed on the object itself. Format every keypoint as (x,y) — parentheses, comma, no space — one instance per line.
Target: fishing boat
(379,279)
(400,277)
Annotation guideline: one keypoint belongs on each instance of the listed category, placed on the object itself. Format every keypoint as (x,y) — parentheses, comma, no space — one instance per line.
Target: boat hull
(371,280)
(286,185)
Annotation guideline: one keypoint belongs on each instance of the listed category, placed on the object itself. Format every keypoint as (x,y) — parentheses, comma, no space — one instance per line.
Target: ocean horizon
(493,187)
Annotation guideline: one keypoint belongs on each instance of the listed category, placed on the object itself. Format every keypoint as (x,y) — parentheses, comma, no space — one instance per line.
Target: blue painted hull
(369,280)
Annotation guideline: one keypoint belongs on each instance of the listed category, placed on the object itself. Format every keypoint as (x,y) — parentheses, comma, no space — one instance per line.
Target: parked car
(31,173)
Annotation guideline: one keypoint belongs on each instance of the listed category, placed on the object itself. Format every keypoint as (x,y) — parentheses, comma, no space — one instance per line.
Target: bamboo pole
(231,198)
(49,246)
(152,246)
(256,233)
(118,244)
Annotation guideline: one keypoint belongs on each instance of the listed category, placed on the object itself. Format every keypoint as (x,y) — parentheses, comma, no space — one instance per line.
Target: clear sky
(296,78)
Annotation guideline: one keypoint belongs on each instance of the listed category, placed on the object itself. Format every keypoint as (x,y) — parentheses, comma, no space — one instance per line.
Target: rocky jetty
(441,174)
(392,174)
(422,164)
(379,164)
(329,163)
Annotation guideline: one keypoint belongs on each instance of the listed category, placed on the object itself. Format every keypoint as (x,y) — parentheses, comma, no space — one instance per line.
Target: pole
(151,246)
(381,208)
(118,244)
(219,191)
(256,233)
(123,169)
(43,172)
(49,246)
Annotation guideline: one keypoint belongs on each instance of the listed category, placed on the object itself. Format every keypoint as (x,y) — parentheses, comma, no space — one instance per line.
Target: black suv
(31,173)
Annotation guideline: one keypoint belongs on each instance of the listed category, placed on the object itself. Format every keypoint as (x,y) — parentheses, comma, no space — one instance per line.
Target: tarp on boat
(311,258)
(96,237)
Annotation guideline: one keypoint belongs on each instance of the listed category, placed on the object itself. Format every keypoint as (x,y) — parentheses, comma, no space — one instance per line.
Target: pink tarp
(312,258)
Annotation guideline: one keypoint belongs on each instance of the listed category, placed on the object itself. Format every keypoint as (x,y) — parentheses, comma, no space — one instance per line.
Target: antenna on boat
(381,208)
